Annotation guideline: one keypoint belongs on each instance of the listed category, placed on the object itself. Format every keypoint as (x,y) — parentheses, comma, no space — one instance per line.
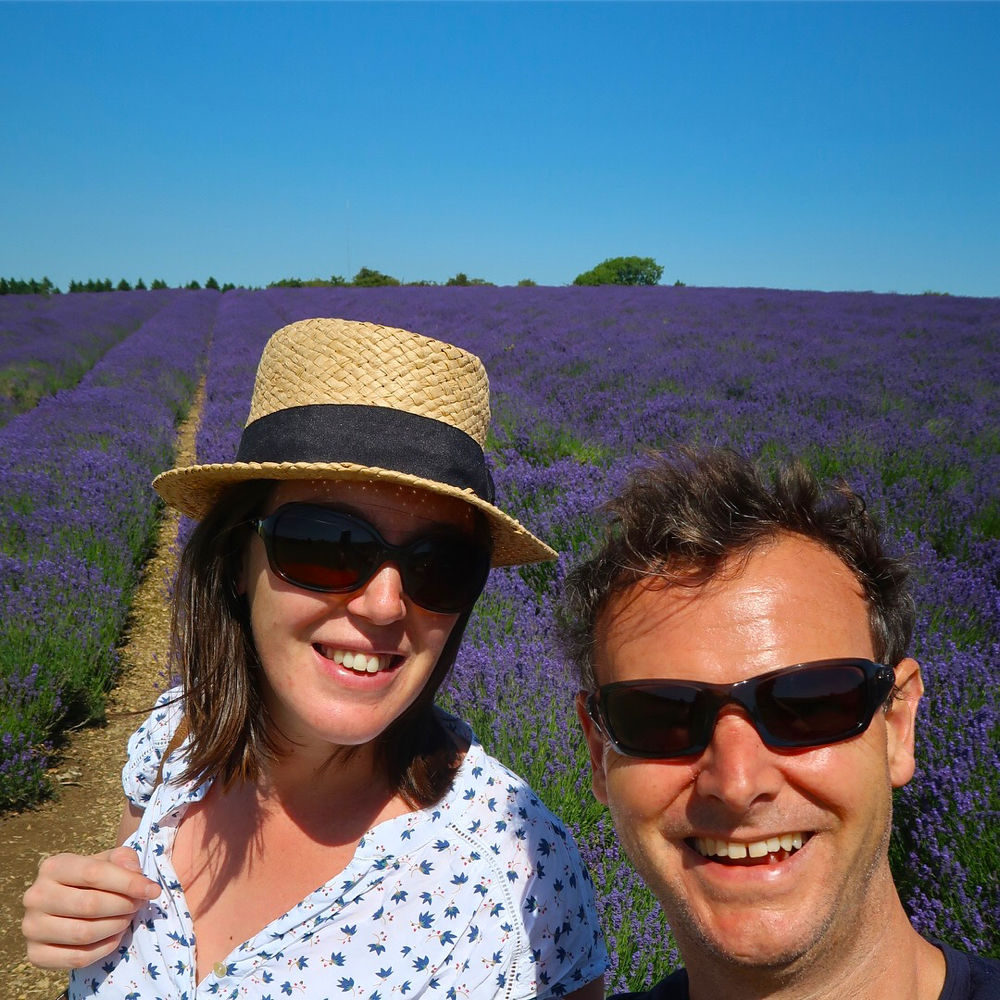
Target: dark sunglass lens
(321,550)
(814,705)
(445,572)
(655,722)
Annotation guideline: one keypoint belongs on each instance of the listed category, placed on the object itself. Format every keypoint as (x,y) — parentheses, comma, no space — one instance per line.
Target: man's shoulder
(969,977)
(674,987)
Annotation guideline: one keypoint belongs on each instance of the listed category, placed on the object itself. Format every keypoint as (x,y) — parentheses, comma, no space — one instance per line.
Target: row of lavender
(47,344)
(77,516)
(896,394)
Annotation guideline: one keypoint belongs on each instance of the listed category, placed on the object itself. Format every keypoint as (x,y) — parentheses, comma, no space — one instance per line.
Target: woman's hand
(80,906)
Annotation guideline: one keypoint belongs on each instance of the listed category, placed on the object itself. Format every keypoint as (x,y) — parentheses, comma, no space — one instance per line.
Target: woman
(301,819)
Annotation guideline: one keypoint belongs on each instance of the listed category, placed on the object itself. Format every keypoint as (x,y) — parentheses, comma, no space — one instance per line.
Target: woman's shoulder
(147,745)
(491,803)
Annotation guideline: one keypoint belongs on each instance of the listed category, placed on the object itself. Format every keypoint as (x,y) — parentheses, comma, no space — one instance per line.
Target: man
(746,734)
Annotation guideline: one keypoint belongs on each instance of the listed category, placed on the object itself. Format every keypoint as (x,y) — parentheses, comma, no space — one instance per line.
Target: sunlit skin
(236,876)
(315,702)
(807,923)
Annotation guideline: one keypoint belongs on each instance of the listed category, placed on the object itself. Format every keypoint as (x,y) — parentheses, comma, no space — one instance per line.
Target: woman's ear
(901,720)
(595,744)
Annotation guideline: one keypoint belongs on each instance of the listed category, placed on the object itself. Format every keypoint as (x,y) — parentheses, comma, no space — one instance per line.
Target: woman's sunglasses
(807,705)
(318,548)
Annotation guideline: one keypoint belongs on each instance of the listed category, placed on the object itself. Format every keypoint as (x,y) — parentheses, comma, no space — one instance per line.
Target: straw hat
(338,399)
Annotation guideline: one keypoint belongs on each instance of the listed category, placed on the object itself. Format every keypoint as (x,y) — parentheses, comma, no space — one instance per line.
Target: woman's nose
(381,599)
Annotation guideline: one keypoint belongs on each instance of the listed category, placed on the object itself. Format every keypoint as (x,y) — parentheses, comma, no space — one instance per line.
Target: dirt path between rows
(83,817)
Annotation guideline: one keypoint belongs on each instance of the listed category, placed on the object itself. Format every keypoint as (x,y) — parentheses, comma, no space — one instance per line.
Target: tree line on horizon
(612,271)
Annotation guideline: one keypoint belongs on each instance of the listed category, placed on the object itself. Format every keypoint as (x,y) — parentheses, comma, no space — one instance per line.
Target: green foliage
(622,271)
(212,283)
(463,279)
(31,286)
(140,285)
(123,286)
(527,283)
(193,285)
(367,278)
(91,285)
(158,283)
(334,281)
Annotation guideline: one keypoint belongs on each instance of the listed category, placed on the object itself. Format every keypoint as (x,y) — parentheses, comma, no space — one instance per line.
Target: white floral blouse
(482,895)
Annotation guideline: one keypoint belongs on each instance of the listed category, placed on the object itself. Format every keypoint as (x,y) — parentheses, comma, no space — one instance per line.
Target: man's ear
(901,719)
(595,744)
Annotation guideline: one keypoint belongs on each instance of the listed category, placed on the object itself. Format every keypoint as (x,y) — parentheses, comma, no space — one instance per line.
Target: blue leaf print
(349,929)
(481,889)
(501,980)
(492,805)
(384,973)
(447,937)
(406,987)
(399,896)
(426,920)
(512,876)
(425,868)
(302,962)
(286,988)
(376,948)
(460,879)
(498,908)
(470,793)
(152,971)
(346,984)
(477,771)
(544,848)
(421,963)
(337,958)
(441,845)
(451,912)
(474,828)
(473,933)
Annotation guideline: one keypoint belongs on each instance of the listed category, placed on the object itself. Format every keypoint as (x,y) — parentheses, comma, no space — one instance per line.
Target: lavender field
(895,393)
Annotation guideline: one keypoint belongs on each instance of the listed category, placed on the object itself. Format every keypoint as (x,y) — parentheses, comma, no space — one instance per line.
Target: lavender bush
(76,519)
(896,394)
(48,343)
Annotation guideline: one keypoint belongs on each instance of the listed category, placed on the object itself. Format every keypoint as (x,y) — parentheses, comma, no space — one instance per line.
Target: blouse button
(219,969)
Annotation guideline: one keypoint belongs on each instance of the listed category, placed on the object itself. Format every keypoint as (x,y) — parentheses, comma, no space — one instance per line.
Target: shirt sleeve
(147,745)
(543,928)
(565,945)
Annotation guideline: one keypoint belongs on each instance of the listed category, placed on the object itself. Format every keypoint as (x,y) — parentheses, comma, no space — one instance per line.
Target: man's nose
(381,599)
(737,768)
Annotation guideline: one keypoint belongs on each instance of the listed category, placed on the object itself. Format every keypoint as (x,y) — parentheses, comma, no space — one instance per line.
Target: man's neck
(892,963)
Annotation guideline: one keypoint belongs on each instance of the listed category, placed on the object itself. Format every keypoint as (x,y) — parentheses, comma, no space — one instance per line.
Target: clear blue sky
(799,145)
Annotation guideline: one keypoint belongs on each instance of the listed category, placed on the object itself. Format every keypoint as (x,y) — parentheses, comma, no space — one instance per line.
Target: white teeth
(709,846)
(360,663)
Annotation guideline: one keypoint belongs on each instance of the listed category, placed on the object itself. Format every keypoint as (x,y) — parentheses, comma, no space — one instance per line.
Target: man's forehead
(789,585)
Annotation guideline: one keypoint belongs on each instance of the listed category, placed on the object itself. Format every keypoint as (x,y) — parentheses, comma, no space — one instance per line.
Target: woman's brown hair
(232,734)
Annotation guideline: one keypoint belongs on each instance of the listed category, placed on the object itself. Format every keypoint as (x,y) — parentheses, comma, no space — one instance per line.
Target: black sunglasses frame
(464,589)
(708,700)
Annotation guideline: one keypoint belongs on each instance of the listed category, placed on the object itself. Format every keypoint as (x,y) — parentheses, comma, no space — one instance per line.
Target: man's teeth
(709,846)
(361,663)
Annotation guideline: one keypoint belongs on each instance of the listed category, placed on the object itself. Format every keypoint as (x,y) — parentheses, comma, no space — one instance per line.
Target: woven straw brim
(194,490)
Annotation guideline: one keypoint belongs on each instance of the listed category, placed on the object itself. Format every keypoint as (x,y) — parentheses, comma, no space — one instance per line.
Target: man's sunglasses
(318,548)
(807,705)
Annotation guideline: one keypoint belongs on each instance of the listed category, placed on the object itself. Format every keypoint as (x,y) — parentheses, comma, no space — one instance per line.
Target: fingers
(79,907)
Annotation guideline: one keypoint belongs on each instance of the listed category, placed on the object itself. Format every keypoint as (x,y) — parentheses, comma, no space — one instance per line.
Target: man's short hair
(681,519)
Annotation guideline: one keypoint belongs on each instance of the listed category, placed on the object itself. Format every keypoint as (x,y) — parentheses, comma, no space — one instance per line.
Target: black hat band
(372,436)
